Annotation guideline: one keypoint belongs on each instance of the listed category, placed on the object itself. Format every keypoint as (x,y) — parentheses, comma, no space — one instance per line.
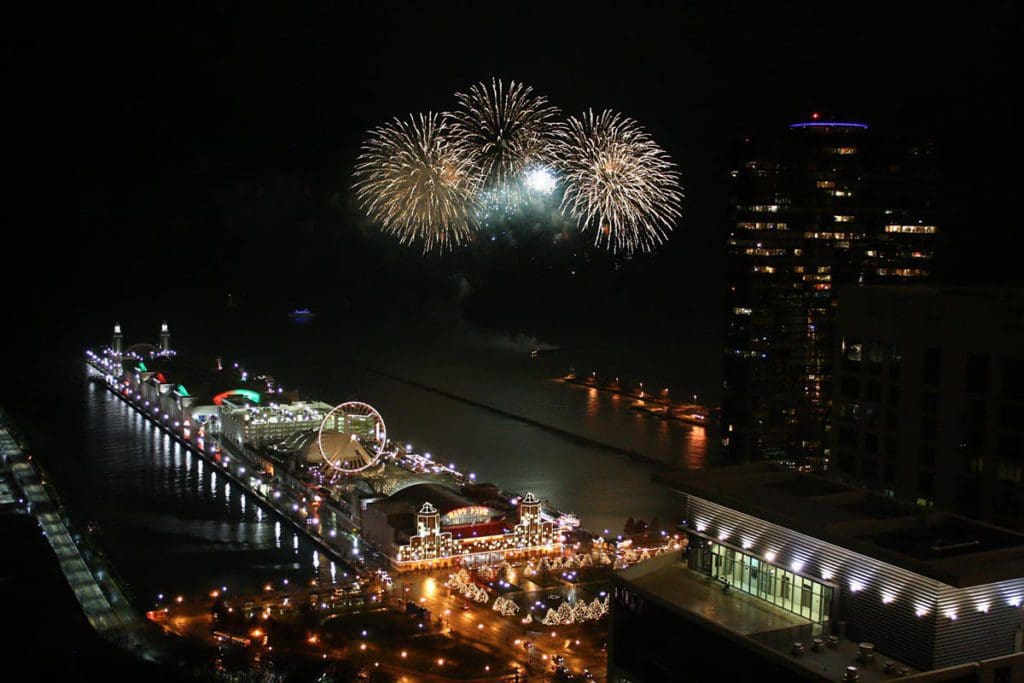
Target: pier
(276,500)
(102,600)
(656,404)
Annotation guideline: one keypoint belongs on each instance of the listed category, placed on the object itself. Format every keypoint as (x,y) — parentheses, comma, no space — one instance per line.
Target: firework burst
(617,181)
(505,130)
(416,183)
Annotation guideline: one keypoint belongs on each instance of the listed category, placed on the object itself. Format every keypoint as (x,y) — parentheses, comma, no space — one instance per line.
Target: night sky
(208,148)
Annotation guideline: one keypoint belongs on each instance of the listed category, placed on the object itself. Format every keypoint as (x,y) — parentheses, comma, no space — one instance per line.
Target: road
(578,644)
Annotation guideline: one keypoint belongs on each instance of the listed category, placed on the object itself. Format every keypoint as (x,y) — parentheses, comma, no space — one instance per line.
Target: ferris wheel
(351,438)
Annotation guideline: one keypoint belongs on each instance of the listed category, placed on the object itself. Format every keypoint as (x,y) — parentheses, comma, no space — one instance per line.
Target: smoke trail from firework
(416,183)
(617,181)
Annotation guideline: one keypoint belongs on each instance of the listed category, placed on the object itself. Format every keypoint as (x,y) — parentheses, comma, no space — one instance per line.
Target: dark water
(172,526)
(334,360)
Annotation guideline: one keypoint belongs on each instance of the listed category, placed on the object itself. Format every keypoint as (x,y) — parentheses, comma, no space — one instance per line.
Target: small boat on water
(301,315)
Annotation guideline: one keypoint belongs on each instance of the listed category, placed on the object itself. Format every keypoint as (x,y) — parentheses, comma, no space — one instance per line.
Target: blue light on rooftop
(828,124)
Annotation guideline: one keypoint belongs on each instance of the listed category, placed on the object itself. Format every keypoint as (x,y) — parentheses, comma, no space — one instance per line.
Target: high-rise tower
(824,204)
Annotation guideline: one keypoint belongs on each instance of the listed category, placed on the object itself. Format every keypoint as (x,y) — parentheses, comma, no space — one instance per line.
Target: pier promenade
(103,601)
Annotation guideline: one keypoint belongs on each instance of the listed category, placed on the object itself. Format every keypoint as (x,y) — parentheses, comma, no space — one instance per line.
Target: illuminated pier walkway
(101,599)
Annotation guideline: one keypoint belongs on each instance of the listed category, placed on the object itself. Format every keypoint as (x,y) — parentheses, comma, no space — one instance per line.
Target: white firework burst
(504,129)
(617,181)
(417,184)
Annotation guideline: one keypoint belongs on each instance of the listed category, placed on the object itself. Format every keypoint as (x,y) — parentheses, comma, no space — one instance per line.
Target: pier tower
(428,521)
(165,337)
(529,512)
(117,341)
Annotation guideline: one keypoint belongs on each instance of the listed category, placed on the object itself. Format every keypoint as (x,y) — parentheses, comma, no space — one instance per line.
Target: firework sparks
(540,180)
(416,183)
(617,181)
(504,129)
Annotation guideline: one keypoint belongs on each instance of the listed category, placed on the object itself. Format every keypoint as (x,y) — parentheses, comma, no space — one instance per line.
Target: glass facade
(788,590)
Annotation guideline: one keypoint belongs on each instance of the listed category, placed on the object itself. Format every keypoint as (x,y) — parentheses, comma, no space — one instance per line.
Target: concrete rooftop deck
(752,618)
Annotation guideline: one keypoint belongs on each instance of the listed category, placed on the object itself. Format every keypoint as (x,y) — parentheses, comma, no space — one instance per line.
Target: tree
(630,527)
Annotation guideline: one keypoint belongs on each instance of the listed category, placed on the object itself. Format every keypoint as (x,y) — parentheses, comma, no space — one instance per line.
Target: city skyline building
(824,204)
(929,398)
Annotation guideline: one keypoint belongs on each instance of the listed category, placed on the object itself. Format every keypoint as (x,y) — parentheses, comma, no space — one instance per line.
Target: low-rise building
(776,557)
(428,525)
(246,423)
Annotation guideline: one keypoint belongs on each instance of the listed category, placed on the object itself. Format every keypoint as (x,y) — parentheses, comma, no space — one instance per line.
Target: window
(1012,417)
(850,387)
(870,468)
(929,403)
(1010,472)
(927,455)
(929,428)
(1010,447)
(894,395)
(912,229)
(870,442)
(853,349)
(874,391)
(895,361)
(847,437)
(932,366)
(977,373)
(844,461)
(925,481)
(875,353)
(976,410)
(870,416)
(1013,378)
(849,411)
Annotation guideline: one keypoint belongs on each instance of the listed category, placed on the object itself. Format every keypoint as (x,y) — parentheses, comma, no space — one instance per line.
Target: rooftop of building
(818,123)
(762,626)
(972,292)
(401,507)
(954,550)
(201,378)
(960,317)
(412,498)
